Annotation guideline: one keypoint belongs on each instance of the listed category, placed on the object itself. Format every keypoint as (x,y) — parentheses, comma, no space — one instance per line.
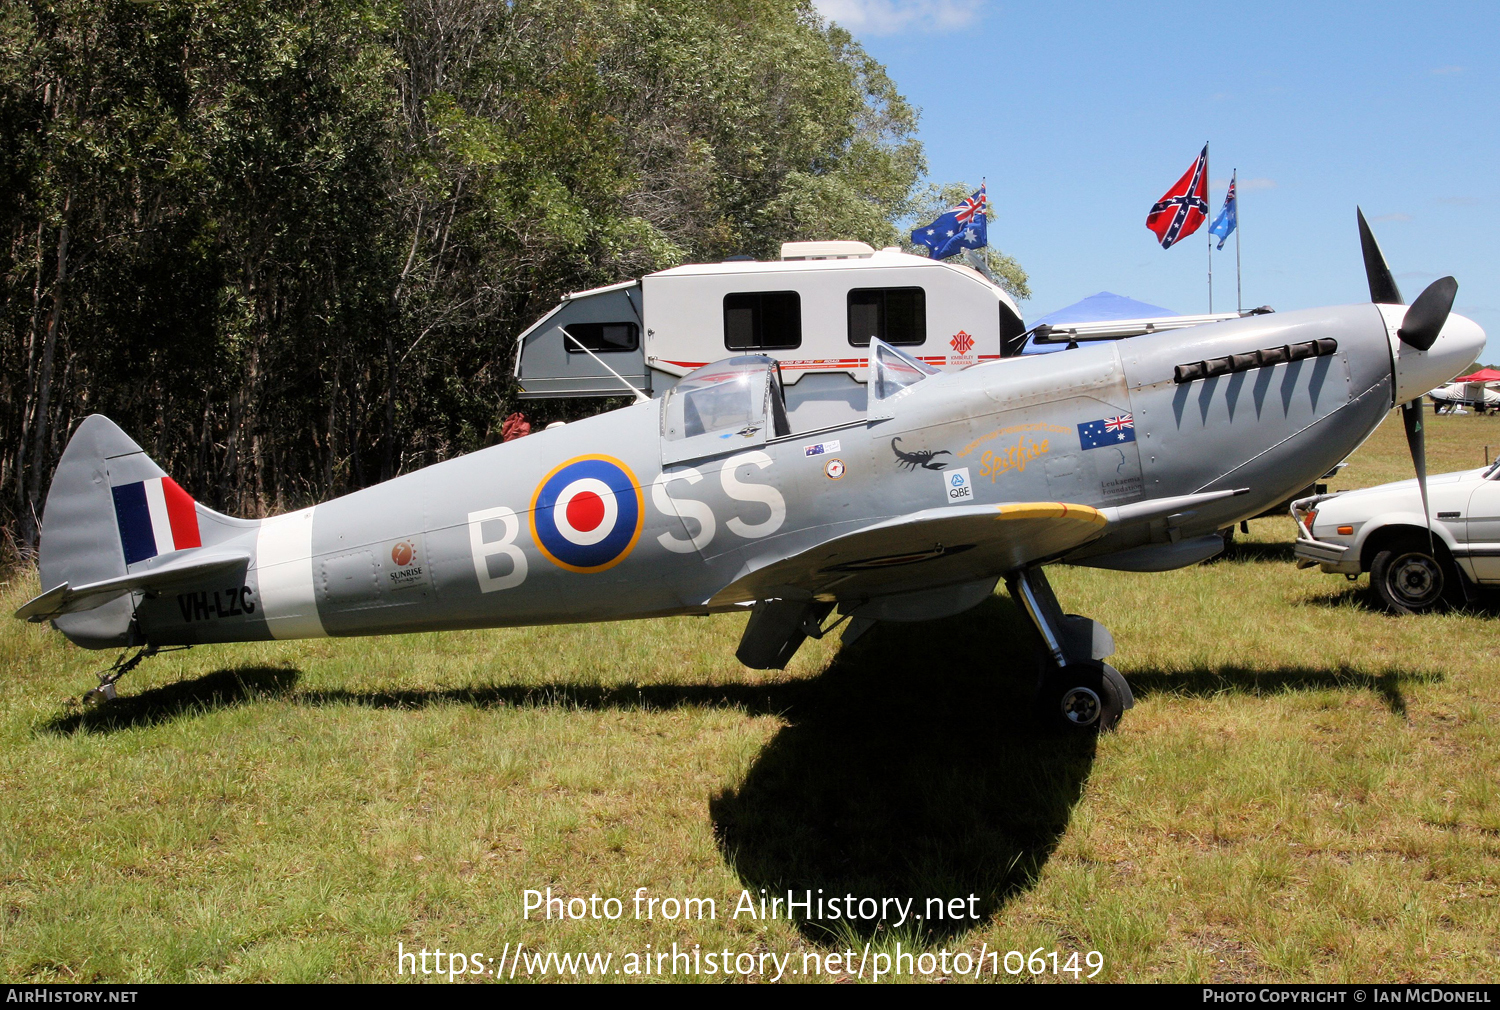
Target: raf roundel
(587,514)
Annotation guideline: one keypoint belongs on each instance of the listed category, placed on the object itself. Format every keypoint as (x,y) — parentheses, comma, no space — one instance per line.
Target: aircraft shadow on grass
(909,768)
(1209,682)
(912,768)
(220,689)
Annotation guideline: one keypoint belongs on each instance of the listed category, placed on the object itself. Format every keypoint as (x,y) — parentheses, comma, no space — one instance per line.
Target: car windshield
(1493,471)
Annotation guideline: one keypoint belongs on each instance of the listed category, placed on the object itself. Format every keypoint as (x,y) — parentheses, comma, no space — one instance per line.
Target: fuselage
(612,518)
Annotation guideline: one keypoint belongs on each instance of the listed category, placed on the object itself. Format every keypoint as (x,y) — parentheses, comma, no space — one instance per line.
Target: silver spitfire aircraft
(1129,455)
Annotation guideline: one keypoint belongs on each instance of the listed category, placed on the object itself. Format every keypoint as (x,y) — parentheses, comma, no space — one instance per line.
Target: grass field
(1307,790)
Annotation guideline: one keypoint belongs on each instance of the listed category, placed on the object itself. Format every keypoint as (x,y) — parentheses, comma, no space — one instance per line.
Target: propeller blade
(1411,420)
(1425,319)
(1383,288)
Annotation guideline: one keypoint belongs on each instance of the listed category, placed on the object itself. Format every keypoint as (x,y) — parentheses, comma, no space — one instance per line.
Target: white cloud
(887,17)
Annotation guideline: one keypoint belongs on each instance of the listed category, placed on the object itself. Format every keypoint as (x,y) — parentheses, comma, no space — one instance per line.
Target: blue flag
(962,227)
(1228,218)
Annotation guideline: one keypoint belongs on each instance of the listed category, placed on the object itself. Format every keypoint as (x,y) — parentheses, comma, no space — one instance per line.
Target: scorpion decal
(922,457)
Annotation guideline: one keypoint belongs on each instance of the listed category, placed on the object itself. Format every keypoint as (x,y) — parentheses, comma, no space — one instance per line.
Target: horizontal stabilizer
(66,599)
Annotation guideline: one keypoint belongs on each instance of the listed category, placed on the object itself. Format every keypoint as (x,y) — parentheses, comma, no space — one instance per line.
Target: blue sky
(1081,115)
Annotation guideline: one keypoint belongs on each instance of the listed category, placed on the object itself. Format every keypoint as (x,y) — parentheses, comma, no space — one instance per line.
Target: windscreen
(728,404)
(891,371)
(726,396)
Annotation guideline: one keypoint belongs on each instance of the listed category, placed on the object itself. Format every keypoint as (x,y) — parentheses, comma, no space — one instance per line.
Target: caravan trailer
(813,311)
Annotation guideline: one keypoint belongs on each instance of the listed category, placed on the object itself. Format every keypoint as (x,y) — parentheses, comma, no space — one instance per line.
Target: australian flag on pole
(1184,207)
(962,227)
(1229,217)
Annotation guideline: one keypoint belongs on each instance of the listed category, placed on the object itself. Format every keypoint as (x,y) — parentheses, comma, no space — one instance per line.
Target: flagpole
(1210,238)
(1239,302)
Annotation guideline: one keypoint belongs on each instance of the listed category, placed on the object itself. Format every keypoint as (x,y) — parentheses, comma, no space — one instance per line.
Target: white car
(1380,530)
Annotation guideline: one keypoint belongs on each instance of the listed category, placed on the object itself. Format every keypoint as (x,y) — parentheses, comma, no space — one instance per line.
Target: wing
(943,546)
(933,547)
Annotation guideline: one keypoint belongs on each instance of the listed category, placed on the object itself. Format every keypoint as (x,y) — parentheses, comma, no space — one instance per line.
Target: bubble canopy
(736,396)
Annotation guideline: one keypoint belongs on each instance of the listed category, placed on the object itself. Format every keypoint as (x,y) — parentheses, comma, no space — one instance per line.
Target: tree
(290,245)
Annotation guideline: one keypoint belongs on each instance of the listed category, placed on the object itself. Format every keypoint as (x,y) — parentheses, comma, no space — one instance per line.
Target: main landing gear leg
(1077,690)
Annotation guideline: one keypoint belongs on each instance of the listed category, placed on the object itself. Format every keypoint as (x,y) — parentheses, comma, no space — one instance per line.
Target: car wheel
(1079,698)
(1409,579)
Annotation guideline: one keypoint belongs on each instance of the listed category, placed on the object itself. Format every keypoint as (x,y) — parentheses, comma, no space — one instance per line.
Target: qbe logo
(956,486)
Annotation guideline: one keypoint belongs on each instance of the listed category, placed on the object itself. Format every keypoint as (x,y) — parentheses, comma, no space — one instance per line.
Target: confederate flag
(1184,207)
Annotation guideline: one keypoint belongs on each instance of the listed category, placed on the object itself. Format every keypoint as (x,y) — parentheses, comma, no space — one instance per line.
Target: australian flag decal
(1107,431)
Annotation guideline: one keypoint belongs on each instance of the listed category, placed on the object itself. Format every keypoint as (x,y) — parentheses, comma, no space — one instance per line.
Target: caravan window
(763,321)
(895,315)
(603,337)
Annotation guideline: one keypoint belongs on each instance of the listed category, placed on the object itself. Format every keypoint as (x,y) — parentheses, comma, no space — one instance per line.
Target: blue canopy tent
(1094,309)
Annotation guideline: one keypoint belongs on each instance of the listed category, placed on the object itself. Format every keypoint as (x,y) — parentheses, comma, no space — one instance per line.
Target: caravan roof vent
(825,251)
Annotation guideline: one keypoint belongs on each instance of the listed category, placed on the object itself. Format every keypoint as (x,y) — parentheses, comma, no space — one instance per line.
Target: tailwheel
(96,696)
(105,692)
(1082,697)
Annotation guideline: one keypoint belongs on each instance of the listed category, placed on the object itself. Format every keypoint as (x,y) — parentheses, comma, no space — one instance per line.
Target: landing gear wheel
(1080,698)
(1409,579)
(97,696)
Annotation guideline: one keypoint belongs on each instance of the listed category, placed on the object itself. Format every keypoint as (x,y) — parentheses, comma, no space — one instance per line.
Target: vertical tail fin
(110,507)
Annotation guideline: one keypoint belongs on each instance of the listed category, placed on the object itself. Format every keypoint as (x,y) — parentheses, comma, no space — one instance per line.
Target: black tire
(1409,579)
(1079,698)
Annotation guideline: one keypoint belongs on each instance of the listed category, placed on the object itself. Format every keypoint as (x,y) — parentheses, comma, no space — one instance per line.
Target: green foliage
(289,245)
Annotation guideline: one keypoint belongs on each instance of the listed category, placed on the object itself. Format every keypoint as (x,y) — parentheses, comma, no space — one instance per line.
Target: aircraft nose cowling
(1458,346)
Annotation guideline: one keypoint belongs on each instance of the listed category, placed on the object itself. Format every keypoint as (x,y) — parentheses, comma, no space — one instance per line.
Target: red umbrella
(1483,375)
